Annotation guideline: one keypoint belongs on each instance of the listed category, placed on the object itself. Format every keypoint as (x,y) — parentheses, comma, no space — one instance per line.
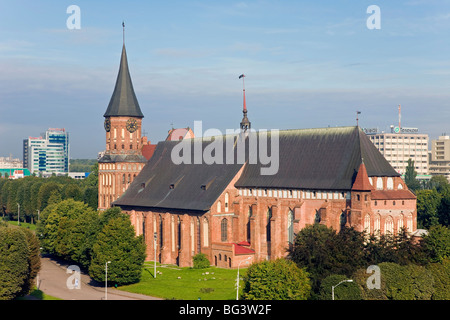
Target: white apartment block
(440,156)
(400,145)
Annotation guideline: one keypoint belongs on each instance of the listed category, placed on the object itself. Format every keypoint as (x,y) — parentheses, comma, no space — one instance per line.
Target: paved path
(53,277)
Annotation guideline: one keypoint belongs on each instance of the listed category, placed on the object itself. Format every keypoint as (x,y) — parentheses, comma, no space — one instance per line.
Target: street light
(106,280)
(237,281)
(155,236)
(332,287)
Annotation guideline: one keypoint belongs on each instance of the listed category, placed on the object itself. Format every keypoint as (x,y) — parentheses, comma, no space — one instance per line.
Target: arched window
(400,224)
(268,231)
(248,223)
(389,226)
(379,183)
(290,226)
(367,223)
(224,230)
(342,220)
(390,183)
(226,202)
(409,223)
(376,224)
(219,206)
(205,232)
(317,217)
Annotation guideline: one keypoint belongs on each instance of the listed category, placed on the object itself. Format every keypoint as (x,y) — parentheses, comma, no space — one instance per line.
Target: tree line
(321,258)
(29,196)
(73,231)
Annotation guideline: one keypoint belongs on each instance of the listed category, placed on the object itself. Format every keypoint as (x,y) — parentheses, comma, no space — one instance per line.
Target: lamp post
(18,214)
(106,280)
(155,235)
(332,287)
(237,280)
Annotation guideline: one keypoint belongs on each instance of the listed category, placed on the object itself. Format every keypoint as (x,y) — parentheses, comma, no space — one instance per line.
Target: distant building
(10,162)
(440,156)
(48,153)
(14,173)
(402,144)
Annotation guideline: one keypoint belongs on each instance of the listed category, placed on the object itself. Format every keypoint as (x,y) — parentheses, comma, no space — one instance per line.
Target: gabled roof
(319,159)
(123,100)
(163,184)
(315,159)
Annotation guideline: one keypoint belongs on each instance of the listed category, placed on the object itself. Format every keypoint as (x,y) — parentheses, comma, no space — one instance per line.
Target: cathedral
(230,211)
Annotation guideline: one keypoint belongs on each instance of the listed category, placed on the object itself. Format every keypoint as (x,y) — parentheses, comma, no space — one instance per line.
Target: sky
(308,64)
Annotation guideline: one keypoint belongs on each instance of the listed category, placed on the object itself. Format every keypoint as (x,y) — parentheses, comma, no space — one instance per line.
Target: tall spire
(245,123)
(123,32)
(123,100)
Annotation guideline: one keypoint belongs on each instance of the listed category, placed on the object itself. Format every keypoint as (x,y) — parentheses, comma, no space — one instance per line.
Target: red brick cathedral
(229,211)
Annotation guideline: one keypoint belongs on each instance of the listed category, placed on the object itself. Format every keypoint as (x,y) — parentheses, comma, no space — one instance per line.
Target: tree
(428,202)
(410,176)
(117,243)
(14,266)
(437,243)
(34,260)
(279,279)
(323,252)
(68,229)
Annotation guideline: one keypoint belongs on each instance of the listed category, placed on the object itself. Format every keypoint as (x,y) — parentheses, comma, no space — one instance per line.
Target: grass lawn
(187,283)
(24,225)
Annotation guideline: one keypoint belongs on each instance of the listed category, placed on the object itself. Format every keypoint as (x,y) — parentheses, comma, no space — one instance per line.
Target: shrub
(279,279)
(200,261)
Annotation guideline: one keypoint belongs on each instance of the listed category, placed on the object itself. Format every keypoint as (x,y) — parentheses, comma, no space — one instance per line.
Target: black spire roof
(123,101)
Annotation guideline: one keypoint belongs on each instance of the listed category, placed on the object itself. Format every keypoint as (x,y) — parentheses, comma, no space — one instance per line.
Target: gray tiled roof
(318,159)
(123,100)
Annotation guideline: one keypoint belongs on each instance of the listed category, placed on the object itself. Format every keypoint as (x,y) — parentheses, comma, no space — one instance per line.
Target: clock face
(107,125)
(132,125)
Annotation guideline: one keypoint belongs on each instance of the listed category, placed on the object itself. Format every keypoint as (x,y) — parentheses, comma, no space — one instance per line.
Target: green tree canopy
(279,279)
(116,242)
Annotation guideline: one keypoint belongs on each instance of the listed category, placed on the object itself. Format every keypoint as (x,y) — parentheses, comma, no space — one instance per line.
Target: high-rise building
(440,156)
(400,145)
(48,153)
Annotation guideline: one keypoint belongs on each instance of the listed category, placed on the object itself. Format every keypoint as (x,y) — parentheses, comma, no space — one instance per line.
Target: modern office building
(440,156)
(48,153)
(401,144)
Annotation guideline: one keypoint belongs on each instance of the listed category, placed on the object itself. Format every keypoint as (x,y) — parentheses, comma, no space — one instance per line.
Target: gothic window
(342,220)
(219,206)
(205,232)
(389,226)
(400,224)
(223,230)
(379,183)
(226,202)
(290,227)
(317,217)
(248,223)
(268,231)
(390,183)
(367,223)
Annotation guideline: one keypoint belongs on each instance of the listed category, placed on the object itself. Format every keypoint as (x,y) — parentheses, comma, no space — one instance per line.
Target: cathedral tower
(123,158)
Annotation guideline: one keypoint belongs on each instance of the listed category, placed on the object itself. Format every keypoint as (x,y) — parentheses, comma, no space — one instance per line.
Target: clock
(107,125)
(132,125)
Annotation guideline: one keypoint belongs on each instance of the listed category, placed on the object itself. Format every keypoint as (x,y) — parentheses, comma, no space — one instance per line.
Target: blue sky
(307,64)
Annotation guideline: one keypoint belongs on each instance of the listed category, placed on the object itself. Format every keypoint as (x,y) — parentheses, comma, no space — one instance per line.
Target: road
(52,280)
